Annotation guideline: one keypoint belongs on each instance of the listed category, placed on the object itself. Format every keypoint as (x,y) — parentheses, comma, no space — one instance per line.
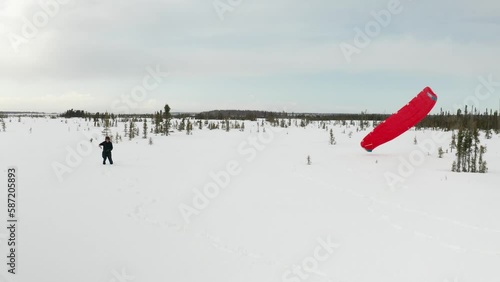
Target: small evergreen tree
(415,140)
(453,143)
(469,151)
(107,130)
(332,138)
(488,134)
(150,140)
(483,166)
(440,152)
(132,132)
(125,131)
(282,123)
(168,117)
(303,123)
(189,127)
(309,162)
(157,121)
(145,129)
(182,125)
(459,153)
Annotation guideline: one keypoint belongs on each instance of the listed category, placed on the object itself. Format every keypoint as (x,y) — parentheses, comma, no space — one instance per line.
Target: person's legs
(110,159)
(103,158)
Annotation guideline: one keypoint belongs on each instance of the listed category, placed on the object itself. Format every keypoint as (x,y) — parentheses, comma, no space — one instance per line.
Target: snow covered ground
(245,206)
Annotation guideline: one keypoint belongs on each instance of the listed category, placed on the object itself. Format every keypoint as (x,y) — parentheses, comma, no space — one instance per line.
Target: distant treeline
(24,114)
(76,114)
(253,115)
(487,120)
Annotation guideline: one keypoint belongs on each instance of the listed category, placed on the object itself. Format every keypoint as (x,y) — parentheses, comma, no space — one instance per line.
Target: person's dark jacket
(107,147)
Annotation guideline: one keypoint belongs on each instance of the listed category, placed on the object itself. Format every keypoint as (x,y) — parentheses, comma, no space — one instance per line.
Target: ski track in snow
(417,234)
(220,245)
(140,214)
(216,242)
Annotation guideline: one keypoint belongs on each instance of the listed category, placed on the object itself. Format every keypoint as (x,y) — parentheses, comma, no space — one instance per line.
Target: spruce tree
(157,121)
(488,134)
(460,148)
(189,127)
(182,125)
(440,152)
(145,129)
(168,117)
(131,133)
(469,152)
(483,166)
(453,143)
(107,130)
(474,149)
(332,138)
(466,163)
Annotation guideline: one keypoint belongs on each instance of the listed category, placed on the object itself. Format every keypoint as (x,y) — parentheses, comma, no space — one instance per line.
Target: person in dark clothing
(107,147)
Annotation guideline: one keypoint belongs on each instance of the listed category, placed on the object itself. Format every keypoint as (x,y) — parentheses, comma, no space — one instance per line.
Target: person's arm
(111,146)
(100,145)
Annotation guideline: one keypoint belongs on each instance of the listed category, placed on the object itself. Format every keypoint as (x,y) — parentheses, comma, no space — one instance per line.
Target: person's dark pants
(107,155)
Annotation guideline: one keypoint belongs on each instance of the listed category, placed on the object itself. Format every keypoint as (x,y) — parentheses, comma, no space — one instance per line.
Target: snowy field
(245,206)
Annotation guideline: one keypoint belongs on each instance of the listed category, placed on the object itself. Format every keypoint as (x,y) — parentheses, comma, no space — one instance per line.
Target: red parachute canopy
(398,123)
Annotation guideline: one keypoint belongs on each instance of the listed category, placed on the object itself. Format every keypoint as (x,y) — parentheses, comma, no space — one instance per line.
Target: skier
(107,147)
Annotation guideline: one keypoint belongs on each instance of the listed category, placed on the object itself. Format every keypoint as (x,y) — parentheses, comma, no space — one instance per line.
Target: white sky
(269,55)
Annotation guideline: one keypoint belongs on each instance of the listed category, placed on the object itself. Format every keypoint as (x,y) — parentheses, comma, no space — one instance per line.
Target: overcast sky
(281,55)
